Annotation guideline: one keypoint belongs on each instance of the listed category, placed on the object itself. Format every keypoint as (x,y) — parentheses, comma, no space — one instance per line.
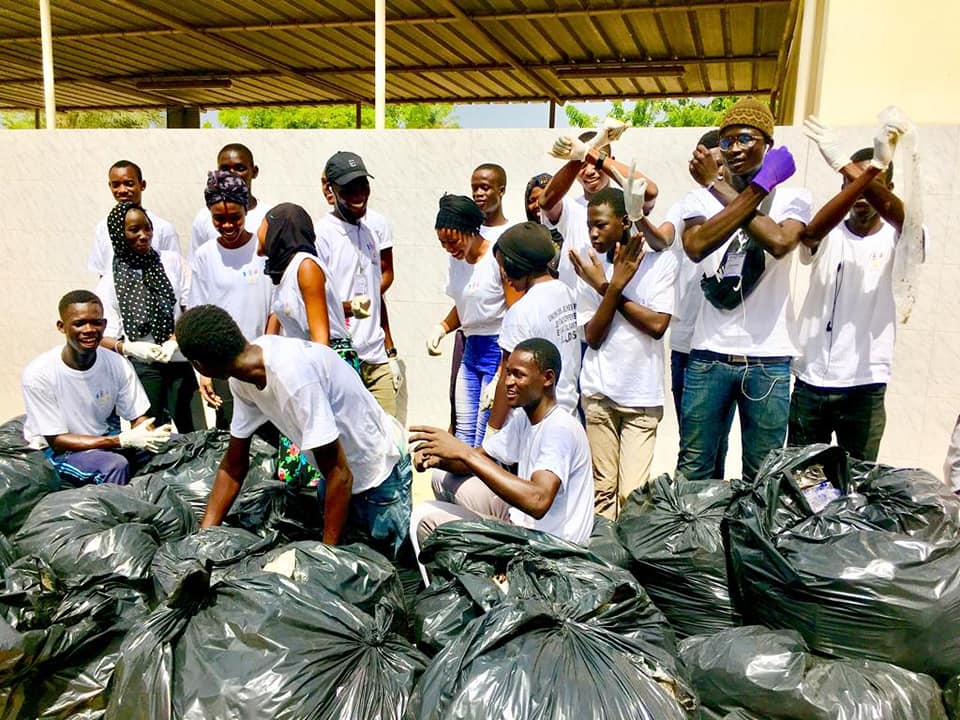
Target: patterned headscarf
(289,231)
(143,289)
(223,186)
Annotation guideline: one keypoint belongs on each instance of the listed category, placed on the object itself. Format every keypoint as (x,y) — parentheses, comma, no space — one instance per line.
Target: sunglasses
(744,140)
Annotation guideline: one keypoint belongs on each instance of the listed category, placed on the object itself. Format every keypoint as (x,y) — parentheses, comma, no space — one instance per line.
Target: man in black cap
(350,250)
(547,310)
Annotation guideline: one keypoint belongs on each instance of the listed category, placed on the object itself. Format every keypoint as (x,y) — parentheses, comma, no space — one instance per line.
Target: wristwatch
(601,156)
(391,353)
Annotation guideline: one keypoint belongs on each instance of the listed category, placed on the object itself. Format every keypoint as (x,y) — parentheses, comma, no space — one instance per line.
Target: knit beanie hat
(749,112)
(528,245)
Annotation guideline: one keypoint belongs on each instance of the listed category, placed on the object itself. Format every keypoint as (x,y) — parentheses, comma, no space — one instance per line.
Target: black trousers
(170,388)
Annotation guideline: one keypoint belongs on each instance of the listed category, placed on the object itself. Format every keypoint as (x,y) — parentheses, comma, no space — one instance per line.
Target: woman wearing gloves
(480,300)
(142,297)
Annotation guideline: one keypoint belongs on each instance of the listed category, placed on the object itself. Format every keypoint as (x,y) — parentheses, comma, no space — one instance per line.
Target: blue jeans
(678,368)
(760,390)
(481,358)
(380,516)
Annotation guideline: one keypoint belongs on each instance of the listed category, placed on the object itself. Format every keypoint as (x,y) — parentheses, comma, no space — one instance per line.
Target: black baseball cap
(343,167)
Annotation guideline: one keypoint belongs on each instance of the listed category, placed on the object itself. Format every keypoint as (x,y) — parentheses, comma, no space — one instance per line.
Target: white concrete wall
(53,191)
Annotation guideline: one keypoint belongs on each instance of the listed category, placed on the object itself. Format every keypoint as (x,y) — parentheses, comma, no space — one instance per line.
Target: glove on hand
(826,141)
(489,392)
(777,166)
(397,373)
(609,132)
(142,351)
(437,333)
(168,350)
(569,148)
(145,437)
(360,306)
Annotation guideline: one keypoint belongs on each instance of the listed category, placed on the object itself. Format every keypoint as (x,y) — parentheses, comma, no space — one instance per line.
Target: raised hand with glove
(609,132)
(634,191)
(884,145)
(827,142)
(145,437)
(777,166)
(569,148)
(143,351)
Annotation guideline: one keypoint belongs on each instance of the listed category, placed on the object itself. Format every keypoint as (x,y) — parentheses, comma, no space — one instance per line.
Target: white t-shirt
(851,289)
(380,227)
(107,292)
(558,443)
(687,293)
(60,399)
(101,257)
(202,230)
(572,225)
(290,309)
(314,398)
(628,367)
(492,233)
(234,280)
(477,291)
(548,310)
(353,256)
(762,325)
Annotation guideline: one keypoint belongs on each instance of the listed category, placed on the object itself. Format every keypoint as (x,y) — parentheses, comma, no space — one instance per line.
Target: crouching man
(319,402)
(552,489)
(74,394)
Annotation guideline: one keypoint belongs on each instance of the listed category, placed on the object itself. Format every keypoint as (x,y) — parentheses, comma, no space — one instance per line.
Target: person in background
(73,395)
(143,294)
(531,198)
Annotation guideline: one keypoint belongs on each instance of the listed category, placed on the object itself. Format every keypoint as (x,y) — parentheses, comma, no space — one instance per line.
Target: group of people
(556,389)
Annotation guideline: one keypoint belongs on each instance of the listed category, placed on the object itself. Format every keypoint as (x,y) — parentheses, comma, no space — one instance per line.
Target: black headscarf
(289,231)
(537,181)
(144,292)
(458,212)
(528,246)
(223,186)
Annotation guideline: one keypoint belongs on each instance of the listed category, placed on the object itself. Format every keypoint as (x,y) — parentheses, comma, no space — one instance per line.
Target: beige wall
(860,56)
(53,191)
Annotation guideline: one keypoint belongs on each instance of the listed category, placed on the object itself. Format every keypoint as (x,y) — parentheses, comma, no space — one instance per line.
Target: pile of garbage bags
(26,476)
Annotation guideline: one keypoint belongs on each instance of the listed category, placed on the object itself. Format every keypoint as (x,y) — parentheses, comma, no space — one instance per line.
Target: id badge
(733,267)
(360,285)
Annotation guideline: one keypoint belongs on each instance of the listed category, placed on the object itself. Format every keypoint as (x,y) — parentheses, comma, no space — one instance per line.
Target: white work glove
(436,336)
(609,132)
(569,148)
(360,306)
(634,190)
(397,372)
(884,145)
(142,351)
(826,141)
(489,392)
(145,437)
(168,350)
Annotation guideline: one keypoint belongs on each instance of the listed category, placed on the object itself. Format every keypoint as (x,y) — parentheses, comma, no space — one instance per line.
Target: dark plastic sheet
(874,574)
(26,476)
(671,528)
(772,674)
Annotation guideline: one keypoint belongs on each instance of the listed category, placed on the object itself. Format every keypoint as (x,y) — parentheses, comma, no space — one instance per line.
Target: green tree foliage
(682,112)
(338,116)
(88,119)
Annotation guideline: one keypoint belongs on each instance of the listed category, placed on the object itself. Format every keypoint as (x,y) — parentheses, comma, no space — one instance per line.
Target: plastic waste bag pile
(671,528)
(873,573)
(26,476)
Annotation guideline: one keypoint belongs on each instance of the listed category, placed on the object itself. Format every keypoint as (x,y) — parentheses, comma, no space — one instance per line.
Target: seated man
(73,392)
(552,490)
(319,402)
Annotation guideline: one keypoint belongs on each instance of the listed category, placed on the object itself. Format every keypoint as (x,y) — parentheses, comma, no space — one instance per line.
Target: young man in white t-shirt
(73,395)
(552,490)
(349,248)
(237,159)
(488,183)
(624,303)
(126,183)
(317,400)
(847,322)
(742,343)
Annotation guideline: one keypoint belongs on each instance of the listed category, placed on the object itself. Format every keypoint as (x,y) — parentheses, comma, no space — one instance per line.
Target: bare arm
(74,442)
(612,168)
(551,199)
(273,325)
(452,321)
(498,413)
(833,213)
(332,462)
(226,486)
(313,284)
(888,205)
(386,269)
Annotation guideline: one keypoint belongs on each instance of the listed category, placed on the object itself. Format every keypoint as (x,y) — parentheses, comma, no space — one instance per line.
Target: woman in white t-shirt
(143,294)
(479,304)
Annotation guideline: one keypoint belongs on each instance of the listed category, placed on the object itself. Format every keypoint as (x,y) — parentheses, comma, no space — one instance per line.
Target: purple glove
(777,166)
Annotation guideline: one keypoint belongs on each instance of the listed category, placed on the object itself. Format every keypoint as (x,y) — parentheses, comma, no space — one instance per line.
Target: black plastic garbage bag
(26,476)
(874,574)
(265,504)
(477,565)
(671,528)
(103,530)
(263,647)
(522,661)
(605,543)
(772,673)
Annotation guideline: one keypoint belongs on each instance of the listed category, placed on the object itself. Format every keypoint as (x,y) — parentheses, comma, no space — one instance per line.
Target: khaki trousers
(458,497)
(378,379)
(621,443)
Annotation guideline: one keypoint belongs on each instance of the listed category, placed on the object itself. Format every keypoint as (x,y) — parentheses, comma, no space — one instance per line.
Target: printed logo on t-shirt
(564,319)
(103,397)
(251,275)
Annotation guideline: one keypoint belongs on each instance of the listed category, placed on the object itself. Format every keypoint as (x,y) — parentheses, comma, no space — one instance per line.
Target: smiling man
(73,394)
(488,183)
(552,490)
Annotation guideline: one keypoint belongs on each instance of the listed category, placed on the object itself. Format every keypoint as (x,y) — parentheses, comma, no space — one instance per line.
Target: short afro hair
(77,297)
(865,154)
(497,170)
(239,148)
(545,354)
(122,164)
(207,334)
(609,196)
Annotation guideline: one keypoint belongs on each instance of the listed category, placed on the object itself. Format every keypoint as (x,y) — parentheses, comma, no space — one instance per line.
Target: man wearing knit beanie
(742,236)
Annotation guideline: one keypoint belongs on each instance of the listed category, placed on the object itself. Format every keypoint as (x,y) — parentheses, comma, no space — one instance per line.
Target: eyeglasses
(744,140)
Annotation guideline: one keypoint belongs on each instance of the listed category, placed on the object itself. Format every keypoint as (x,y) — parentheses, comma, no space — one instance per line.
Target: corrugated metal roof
(298,52)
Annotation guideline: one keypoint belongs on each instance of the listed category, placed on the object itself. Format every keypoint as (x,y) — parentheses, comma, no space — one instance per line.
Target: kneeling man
(319,402)
(552,490)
